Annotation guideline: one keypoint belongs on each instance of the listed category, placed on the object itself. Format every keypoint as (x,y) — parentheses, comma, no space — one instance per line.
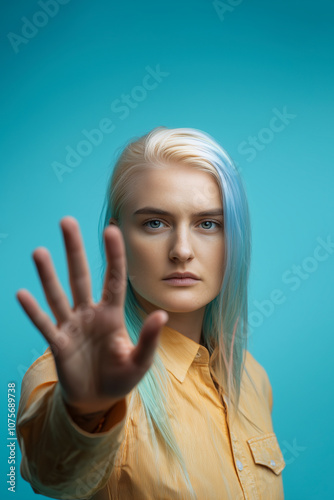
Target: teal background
(225,74)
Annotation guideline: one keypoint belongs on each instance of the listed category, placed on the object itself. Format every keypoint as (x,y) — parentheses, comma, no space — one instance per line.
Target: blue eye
(218,224)
(210,222)
(149,222)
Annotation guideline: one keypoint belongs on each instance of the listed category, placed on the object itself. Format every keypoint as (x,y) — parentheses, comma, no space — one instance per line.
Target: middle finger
(77,262)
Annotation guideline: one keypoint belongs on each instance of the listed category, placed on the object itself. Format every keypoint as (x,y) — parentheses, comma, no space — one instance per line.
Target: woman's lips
(181,281)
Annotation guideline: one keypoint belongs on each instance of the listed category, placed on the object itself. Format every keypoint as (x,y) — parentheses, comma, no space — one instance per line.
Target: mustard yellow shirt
(225,460)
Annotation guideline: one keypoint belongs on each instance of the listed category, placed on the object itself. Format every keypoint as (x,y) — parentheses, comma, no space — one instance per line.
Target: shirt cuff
(112,429)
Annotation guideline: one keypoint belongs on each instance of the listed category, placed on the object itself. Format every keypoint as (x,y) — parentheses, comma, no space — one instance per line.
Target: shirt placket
(243,471)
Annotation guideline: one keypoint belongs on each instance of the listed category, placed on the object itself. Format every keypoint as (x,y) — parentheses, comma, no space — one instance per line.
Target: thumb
(144,351)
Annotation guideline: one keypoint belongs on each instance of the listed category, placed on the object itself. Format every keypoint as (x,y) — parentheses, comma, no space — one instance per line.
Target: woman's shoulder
(259,375)
(253,363)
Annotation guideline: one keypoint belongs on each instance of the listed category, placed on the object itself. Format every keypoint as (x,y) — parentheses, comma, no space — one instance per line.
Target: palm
(95,358)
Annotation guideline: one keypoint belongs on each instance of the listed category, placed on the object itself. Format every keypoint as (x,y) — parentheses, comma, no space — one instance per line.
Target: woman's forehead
(186,189)
(182,179)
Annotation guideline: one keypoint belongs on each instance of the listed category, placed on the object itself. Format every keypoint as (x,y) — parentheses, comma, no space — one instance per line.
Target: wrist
(90,421)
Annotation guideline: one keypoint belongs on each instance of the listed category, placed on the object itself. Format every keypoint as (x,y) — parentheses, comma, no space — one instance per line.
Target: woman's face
(160,244)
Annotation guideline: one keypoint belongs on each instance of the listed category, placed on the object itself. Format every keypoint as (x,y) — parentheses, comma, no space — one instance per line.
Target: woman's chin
(180,306)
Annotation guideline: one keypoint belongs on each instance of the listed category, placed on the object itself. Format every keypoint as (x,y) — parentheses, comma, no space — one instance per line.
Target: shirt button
(239,465)
(272,462)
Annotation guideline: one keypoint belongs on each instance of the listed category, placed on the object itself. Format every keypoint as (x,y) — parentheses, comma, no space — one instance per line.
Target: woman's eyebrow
(153,210)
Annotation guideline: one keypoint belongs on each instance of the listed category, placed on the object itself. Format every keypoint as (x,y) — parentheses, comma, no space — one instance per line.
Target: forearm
(57,456)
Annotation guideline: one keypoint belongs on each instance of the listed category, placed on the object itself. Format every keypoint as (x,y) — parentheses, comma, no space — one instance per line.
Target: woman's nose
(181,247)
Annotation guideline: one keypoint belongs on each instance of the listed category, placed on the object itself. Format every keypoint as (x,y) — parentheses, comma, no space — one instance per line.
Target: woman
(151,393)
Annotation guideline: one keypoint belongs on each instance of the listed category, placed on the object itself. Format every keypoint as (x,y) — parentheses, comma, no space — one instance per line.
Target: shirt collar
(177,351)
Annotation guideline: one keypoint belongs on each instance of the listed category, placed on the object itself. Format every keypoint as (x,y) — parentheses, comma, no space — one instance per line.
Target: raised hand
(96,361)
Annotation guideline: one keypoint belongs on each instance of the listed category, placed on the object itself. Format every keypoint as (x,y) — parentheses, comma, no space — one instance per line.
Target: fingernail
(164,316)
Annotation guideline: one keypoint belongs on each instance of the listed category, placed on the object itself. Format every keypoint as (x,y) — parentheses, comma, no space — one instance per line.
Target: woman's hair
(225,322)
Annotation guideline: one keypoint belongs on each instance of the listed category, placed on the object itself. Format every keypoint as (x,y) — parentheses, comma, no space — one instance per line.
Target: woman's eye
(151,221)
(210,222)
(155,223)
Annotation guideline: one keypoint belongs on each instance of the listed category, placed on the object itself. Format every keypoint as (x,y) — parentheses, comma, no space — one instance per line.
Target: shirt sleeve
(269,389)
(270,396)
(59,459)
(265,383)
